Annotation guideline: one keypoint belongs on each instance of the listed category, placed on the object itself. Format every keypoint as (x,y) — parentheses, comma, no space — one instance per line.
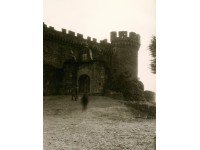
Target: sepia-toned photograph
(99,74)
(86,75)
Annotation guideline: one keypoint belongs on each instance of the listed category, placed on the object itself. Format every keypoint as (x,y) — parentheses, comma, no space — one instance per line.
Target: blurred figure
(84,101)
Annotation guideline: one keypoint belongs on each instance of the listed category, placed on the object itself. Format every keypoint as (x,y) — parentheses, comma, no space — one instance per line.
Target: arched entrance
(84,84)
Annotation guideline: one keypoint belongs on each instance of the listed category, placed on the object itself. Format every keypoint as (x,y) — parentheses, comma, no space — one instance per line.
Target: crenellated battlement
(122,35)
(64,31)
(120,39)
(124,40)
(65,50)
(80,36)
(67,36)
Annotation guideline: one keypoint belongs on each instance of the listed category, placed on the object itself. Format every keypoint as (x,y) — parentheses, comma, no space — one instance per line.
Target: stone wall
(125,58)
(110,60)
(97,75)
(52,80)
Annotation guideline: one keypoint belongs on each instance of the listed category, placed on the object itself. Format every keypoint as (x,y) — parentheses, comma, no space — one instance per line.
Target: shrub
(144,107)
(131,89)
(150,96)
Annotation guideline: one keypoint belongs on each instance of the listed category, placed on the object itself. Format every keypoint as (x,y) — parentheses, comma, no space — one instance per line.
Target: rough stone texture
(106,125)
(102,62)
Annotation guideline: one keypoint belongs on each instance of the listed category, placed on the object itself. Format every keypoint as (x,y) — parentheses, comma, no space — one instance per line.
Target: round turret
(125,58)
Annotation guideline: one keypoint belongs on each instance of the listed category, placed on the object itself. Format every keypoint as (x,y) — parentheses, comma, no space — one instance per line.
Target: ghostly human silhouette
(84,101)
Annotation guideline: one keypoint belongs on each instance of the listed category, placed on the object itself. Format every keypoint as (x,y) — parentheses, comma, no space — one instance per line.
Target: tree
(152,49)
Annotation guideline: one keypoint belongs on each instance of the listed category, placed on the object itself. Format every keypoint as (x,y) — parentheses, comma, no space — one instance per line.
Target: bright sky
(97,18)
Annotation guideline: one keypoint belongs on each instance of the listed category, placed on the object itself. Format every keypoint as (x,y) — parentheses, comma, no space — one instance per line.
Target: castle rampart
(124,40)
(119,57)
(69,36)
(126,49)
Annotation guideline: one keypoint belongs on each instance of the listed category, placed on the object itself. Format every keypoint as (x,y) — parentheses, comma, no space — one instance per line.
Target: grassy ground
(106,125)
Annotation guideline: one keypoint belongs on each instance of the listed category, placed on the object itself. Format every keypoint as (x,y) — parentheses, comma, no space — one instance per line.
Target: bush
(150,96)
(144,107)
(131,89)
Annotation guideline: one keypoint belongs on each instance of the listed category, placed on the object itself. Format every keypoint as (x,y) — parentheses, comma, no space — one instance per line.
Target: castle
(71,61)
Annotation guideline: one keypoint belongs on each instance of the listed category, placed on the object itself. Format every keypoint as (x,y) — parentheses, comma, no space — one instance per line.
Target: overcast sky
(97,18)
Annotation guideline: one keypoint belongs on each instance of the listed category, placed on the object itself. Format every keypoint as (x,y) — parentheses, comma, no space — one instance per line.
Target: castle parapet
(80,36)
(132,35)
(68,36)
(71,33)
(64,31)
(113,36)
(124,40)
(89,38)
(94,40)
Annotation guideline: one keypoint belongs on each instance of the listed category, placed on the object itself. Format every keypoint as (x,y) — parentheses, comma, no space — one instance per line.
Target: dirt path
(106,125)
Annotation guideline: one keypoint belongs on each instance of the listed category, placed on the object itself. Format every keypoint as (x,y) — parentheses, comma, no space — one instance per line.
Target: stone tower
(125,54)
(70,60)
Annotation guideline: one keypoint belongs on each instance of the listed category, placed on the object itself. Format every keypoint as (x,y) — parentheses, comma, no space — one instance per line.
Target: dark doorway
(84,84)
